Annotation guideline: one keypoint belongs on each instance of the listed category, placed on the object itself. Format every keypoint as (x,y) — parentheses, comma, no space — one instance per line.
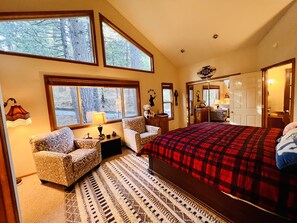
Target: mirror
(208,101)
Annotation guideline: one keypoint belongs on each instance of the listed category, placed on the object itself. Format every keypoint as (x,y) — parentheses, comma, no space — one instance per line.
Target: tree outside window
(72,102)
(56,35)
(122,51)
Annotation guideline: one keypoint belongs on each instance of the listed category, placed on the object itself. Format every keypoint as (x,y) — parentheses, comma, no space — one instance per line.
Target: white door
(246,99)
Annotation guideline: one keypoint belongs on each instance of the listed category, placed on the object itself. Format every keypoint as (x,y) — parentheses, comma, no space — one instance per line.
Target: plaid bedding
(238,160)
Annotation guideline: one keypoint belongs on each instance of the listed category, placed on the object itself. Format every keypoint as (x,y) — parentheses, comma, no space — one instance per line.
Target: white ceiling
(172,25)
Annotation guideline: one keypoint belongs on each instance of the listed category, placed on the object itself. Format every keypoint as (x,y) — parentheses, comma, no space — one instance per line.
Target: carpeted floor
(122,190)
(46,202)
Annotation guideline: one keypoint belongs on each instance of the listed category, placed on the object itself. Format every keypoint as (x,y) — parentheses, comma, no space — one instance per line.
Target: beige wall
(22,78)
(280,44)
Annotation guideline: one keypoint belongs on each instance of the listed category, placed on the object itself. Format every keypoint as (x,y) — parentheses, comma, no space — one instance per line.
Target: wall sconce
(99,119)
(176,96)
(16,115)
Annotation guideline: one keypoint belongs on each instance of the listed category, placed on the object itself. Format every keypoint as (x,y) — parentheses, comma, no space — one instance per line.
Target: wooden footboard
(235,210)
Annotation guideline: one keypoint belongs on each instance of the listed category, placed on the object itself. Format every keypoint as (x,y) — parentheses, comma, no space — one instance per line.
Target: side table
(111,147)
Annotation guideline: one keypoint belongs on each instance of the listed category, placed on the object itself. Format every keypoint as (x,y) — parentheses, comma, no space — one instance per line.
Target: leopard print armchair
(61,159)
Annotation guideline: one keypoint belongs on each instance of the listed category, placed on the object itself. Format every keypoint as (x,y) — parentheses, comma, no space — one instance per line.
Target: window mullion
(123,102)
(79,105)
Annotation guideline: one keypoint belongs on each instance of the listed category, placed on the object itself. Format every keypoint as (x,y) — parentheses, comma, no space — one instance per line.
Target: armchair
(218,115)
(61,159)
(137,133)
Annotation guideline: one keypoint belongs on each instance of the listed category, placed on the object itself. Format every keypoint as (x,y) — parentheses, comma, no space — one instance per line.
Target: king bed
(230,168)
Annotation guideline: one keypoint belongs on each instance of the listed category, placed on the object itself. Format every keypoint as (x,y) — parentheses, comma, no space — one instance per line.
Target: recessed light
(215,36)
(182,50)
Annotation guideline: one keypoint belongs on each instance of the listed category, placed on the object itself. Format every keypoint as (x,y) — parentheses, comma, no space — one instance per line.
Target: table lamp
(99,119)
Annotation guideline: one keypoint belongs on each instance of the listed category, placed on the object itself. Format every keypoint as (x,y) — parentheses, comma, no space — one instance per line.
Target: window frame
(53,15)
(168,86)
(128,38)
(210,87)
(51,80)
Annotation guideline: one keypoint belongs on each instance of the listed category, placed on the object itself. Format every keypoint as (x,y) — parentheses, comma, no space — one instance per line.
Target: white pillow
(288,127)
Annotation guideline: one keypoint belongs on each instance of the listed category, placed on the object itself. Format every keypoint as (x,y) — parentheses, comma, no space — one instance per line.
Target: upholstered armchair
(218,115)
(137,133)
(61,159)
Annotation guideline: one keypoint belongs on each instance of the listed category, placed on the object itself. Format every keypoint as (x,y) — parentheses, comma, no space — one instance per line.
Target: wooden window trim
(50,80)
(128,38)
(48,15)
(168,86)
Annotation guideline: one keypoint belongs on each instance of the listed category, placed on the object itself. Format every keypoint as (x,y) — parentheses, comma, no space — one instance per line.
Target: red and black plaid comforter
(238,160)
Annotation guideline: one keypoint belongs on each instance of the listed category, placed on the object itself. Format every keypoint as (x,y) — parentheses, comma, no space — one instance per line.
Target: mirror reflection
(209,101)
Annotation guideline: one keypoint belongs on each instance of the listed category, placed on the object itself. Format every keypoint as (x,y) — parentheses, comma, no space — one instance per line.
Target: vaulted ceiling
(173,25)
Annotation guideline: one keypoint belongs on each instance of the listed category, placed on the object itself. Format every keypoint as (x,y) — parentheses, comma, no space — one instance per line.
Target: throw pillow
(286,150)
(288,127)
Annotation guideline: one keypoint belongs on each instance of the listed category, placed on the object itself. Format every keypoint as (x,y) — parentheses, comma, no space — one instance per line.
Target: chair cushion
(82,157)
(146,137)
(60,141)
(286,151)
(137,124)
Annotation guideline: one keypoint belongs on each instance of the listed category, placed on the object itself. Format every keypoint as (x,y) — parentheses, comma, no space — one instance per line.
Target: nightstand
(111,147)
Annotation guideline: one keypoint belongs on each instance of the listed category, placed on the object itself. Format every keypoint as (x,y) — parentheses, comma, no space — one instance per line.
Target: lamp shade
(99,118)
(17,115)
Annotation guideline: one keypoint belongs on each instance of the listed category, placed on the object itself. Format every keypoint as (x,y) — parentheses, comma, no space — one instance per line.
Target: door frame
(9,209)
(265,89)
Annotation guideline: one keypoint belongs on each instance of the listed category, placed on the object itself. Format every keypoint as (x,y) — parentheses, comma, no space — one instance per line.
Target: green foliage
(67,38)
(120,52)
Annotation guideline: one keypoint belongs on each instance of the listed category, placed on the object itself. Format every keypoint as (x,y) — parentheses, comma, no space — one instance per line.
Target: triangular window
(122,51)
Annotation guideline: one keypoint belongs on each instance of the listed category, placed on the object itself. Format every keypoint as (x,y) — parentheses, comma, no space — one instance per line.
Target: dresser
(160,121)
(200,115)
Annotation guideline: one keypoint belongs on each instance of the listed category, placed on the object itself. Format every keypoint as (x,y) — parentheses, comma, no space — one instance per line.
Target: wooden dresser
(160,121)
(200,115)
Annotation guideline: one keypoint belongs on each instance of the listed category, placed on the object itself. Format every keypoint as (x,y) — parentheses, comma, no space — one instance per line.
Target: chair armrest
(53,158)
(131,134)
(132,139)
(54,167)
(87,143)
(153,129)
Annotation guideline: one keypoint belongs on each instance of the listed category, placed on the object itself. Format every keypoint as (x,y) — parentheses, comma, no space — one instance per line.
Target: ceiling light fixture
(207,72)
(182,50)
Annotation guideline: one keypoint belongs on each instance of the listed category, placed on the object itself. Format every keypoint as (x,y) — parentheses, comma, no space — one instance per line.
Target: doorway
(278,94)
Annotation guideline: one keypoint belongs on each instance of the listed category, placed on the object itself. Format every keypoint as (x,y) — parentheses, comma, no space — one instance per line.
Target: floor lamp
(17,116)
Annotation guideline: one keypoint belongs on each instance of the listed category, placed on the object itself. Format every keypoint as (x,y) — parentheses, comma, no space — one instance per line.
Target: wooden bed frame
(232,209)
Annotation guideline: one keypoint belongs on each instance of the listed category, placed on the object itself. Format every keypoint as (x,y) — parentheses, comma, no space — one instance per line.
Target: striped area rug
(122,190)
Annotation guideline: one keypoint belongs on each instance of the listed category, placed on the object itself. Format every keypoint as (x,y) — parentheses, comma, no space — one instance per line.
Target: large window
(72,101)
(167,99)
(51,35)
(122,51)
